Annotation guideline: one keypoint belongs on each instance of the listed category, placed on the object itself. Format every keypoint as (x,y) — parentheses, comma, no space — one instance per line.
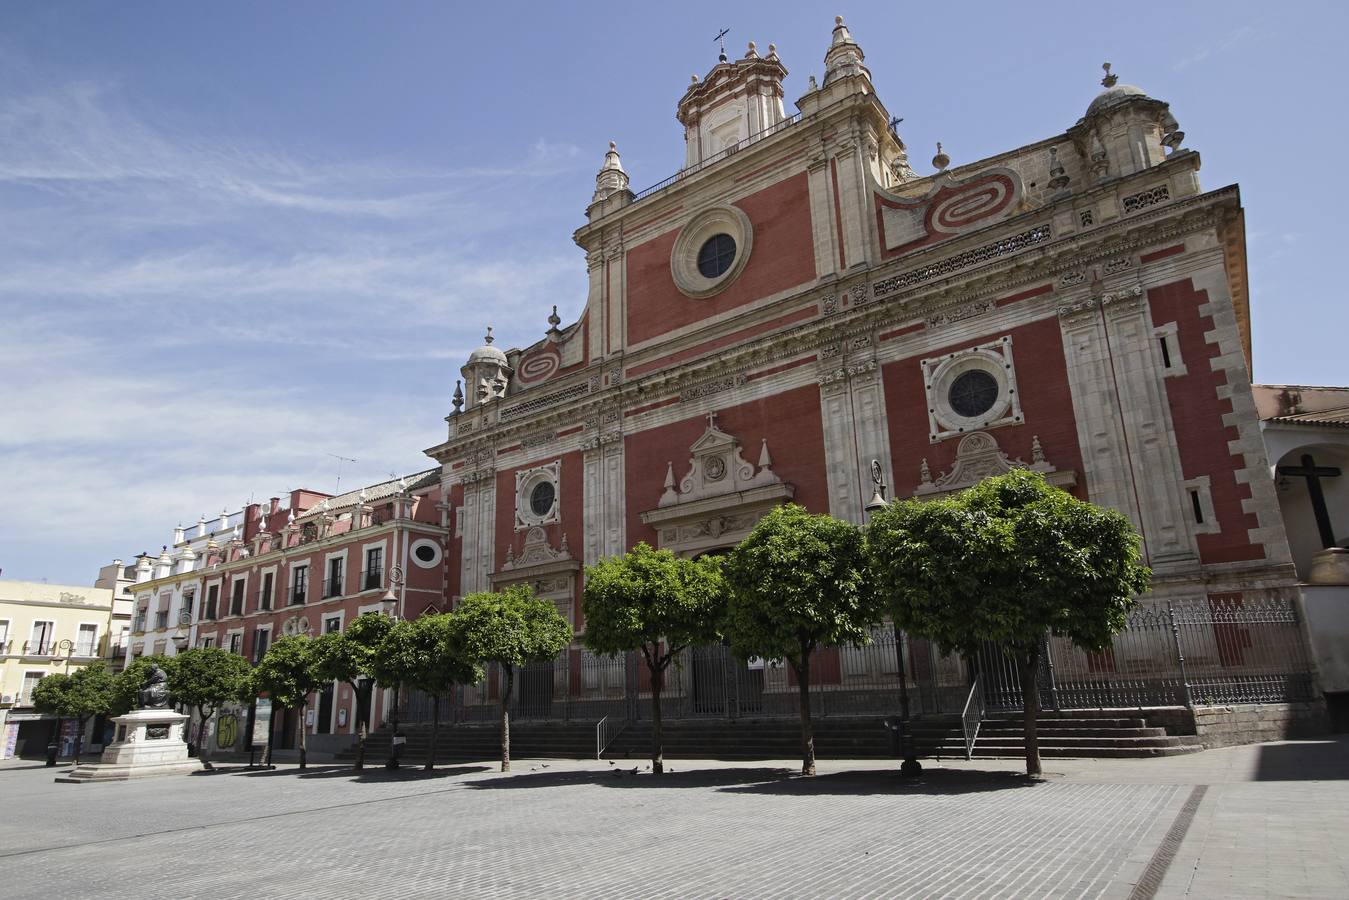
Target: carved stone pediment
(551,571)
(720,499)
(717,468)
(978,456)
(538,552)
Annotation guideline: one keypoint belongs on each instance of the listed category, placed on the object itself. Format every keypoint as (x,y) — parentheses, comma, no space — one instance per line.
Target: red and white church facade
(796,303)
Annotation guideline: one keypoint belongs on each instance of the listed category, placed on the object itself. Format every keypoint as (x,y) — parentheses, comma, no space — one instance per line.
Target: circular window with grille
(971,390)
(711,251)
(973,393)
(716,255)
(536,496)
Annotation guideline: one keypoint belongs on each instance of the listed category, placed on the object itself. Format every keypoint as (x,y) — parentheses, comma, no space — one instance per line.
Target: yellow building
(45,628)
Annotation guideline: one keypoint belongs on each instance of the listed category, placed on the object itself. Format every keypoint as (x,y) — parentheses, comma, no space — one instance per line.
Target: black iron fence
(1214,649)
(1194,651)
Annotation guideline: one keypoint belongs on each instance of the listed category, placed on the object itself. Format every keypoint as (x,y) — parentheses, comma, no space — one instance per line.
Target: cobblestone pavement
(585,829)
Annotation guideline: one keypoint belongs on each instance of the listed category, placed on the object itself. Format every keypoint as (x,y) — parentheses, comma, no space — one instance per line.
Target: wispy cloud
(193,318)
(1229,41)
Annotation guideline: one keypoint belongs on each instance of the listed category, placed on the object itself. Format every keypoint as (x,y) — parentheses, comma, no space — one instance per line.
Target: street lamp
(911,766)
(389,603)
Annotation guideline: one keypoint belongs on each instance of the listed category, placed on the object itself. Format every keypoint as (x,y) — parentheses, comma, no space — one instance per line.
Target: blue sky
(237,238)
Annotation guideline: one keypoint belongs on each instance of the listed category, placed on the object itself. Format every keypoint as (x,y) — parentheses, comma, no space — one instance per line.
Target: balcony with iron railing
(262,600)
(372,579)
(138,624)
(162,619)
(333,587)
(297,594)
(715,158)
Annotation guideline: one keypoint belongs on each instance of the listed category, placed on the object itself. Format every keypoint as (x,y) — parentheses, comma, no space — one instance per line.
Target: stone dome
(1113,95)
(487,353)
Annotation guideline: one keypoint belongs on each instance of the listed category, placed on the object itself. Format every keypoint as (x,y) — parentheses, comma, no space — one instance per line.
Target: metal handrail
(719,156)
(602,736)
(973,714)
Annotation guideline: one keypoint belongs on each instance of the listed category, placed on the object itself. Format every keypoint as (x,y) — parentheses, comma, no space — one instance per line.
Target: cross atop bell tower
(736,100)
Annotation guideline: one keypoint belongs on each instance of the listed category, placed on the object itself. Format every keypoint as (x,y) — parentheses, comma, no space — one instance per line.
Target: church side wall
(1197,412)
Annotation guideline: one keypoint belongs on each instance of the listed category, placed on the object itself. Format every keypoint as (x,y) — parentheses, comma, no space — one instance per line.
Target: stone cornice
(279,555)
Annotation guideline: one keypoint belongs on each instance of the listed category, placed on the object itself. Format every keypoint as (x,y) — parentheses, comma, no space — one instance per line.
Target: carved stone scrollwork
(1119,264)
(710,387)
(1073,311)
(959,313)
(537,439)
(1118,303)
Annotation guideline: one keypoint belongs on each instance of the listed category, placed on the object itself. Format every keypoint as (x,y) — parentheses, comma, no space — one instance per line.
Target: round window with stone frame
(536,500)
(711,251)
(970,391)
(426,553)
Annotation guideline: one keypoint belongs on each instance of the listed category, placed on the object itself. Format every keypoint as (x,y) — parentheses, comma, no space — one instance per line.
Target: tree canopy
(509,628)
(351,656)
(656,603)
(87,692)
(1005,562)
(798,583)
(426,654)
(288,676)
(204,679)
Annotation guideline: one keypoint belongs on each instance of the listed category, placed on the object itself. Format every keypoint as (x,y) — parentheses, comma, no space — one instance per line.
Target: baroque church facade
(797,302)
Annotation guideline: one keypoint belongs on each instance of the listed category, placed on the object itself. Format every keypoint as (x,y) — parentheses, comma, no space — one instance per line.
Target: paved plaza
(1270,820)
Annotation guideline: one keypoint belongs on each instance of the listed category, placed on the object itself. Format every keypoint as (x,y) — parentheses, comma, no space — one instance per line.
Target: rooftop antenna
(721,39)
(340,460)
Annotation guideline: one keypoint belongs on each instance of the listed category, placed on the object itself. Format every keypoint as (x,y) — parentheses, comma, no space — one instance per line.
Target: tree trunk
(807,734)
(1028,662)
(202,752)
(79,738)
(509,672)
(435,732)
(363,699)
(303,747)
(271,733)
(657,739)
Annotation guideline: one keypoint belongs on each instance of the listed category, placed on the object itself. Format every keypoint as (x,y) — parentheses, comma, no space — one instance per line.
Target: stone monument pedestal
(149,742)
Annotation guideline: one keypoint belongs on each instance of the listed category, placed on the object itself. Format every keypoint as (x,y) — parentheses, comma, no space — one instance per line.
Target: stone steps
(1092,733)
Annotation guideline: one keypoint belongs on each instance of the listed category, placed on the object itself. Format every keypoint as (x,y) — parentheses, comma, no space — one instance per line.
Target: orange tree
(1005,562)
(796,584)
(654,602)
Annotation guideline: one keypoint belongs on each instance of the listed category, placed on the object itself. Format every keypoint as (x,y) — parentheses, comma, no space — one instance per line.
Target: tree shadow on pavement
(1313,760)
(768,780)
(368,775)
